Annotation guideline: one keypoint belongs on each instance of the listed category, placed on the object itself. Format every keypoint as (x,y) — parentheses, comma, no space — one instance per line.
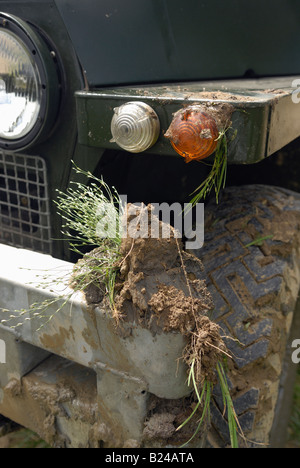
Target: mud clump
(165,416)
(160,287)
(205,350)
(173,309)
(154,290)
(160,426)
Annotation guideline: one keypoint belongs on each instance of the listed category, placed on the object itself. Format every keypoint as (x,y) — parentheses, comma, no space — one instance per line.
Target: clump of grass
(217,177)
(204,400)
(204,355)
(91,214)
(91,219)
(203,385)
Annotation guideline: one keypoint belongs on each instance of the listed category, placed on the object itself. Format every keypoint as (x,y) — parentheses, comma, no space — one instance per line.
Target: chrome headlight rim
(45,60)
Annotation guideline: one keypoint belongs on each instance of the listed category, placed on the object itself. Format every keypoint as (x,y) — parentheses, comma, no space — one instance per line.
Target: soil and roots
(161,287)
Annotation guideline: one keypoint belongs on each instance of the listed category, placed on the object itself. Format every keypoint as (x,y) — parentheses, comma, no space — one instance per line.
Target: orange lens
(193,133)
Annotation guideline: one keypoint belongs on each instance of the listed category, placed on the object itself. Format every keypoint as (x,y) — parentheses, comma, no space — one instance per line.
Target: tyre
(251,257)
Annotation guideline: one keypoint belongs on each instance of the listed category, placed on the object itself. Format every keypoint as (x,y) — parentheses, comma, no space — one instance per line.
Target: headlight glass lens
(20,90)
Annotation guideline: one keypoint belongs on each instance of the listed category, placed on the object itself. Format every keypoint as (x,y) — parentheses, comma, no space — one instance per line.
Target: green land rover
(138,93)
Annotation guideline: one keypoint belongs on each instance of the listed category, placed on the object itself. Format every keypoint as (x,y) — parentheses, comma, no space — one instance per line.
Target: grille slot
(24,203)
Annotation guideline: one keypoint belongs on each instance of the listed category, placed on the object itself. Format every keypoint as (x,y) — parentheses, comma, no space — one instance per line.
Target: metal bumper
(77,375)
(265,118)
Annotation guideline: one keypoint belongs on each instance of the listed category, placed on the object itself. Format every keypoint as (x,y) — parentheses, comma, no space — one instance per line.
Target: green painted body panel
(155,41)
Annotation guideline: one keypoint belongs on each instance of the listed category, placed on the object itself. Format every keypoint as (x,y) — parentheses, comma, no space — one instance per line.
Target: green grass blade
(231,414)
(195,409)
(217,177)
(260,240)
(205,413)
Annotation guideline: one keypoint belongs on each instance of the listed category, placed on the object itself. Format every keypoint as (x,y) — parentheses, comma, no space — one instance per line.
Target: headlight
(20,93)
(29,85)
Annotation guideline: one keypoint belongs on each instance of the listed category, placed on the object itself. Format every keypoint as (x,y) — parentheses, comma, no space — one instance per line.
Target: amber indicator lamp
(193,133)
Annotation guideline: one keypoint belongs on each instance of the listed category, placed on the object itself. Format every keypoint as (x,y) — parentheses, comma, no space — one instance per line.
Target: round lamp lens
(135,127)
(20,88)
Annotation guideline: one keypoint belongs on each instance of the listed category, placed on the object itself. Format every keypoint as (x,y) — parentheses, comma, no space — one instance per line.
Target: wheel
(251,257)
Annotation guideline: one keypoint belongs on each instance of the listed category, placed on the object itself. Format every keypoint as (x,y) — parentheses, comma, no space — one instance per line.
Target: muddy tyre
(252,266)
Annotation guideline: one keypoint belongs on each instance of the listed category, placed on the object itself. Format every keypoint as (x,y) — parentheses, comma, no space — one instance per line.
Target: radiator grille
(24,203)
